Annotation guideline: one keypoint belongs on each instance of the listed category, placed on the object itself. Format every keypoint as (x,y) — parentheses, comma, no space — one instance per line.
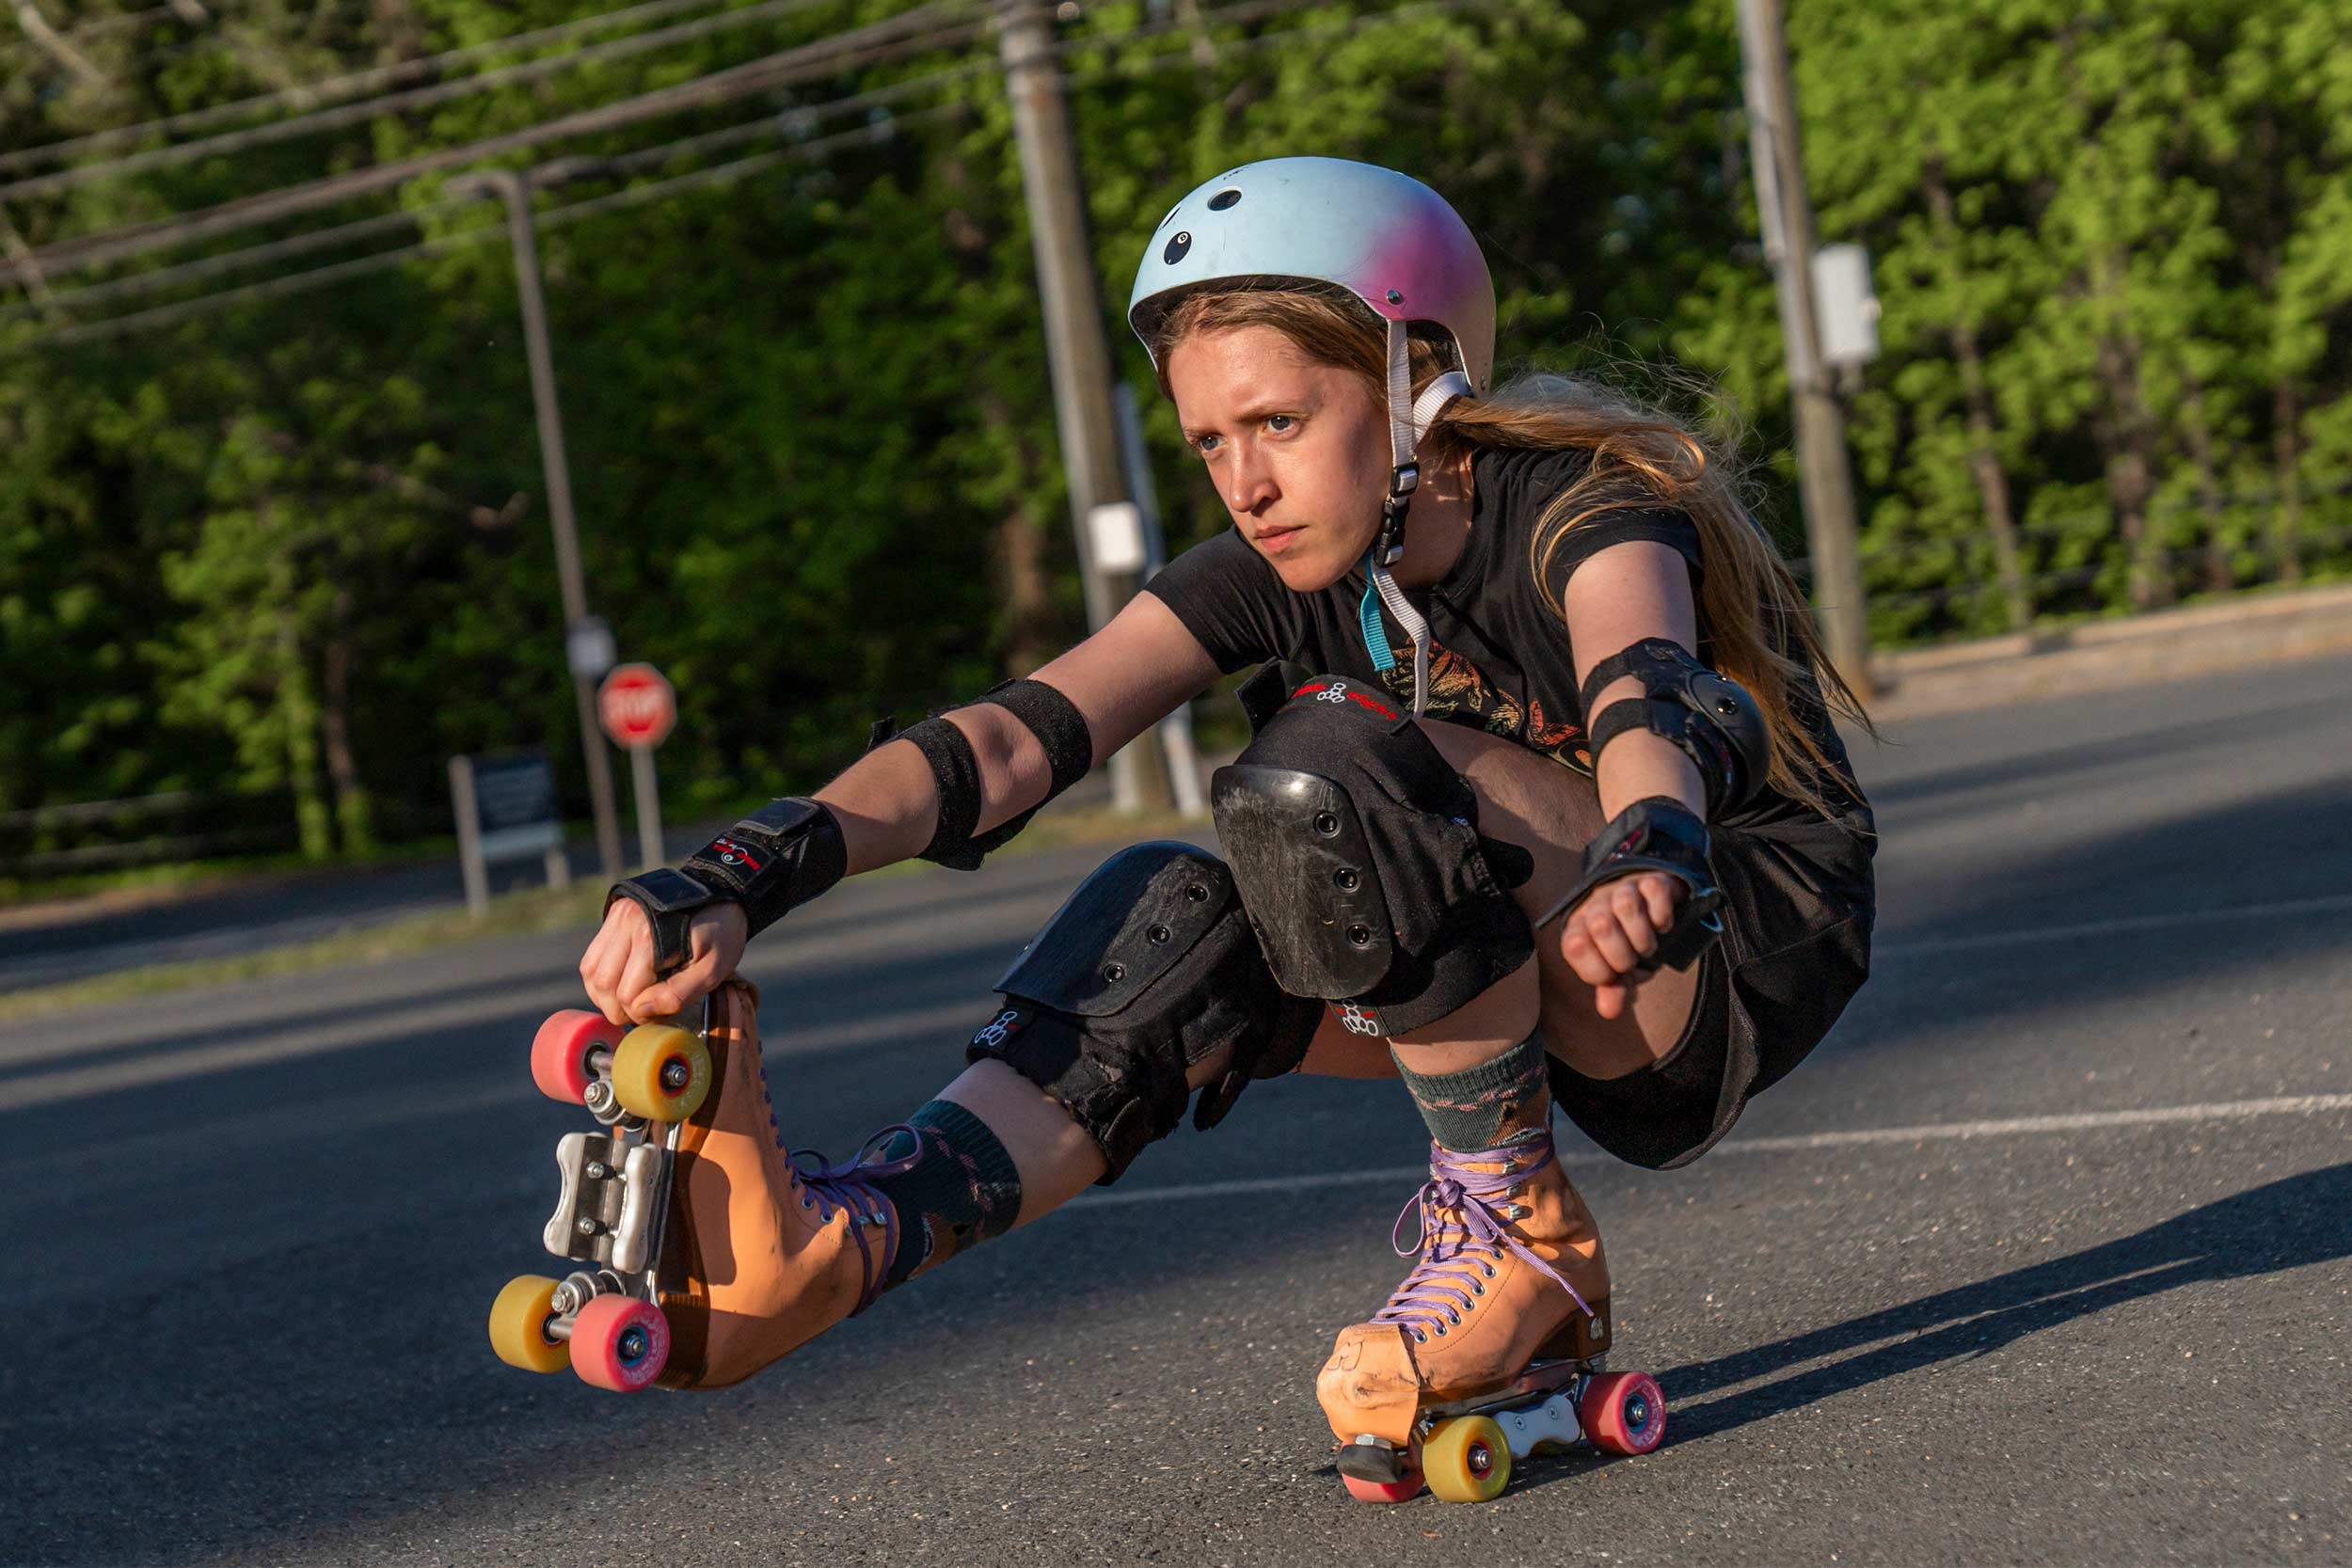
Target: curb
(2106,656)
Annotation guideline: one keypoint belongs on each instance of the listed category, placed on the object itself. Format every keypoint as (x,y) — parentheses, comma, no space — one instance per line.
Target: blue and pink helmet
(1385,237)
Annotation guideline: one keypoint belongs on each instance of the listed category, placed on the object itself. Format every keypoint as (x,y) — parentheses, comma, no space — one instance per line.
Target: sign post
(506,810)
(638,710)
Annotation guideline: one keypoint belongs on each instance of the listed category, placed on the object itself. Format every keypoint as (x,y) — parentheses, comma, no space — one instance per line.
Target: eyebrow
(1254,412)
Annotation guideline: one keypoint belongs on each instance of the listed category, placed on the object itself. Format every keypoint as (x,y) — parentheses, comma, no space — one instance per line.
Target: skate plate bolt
(597,1170)
(585,1226)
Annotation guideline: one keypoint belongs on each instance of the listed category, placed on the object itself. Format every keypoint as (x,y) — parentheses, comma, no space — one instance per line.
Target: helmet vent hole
(1177,247)
(1223,200)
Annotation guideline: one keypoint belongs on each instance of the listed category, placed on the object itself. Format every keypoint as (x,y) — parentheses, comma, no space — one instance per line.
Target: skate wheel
(1383,1491)
(519,1325)
(559,1052)
(1466,1460)
(1623,1412)
(620,1343)
(661,1073)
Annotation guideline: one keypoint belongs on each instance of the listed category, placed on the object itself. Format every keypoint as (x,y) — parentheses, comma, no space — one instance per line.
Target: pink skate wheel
(1623,1412)
(1383,1492)
(620,1343)
(559,1052)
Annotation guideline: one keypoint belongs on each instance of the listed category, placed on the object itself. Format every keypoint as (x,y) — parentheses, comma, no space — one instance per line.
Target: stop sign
(636,706)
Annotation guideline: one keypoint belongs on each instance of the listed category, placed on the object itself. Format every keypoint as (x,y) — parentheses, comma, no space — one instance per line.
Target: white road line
(2284,908)
(262,1047)
(2228,1110)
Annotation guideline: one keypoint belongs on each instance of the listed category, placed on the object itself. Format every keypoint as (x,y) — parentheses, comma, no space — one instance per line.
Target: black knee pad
(1149,969)
(1358,853)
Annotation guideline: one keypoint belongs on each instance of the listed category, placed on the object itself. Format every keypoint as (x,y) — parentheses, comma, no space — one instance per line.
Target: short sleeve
(1597,533)
(1231,601)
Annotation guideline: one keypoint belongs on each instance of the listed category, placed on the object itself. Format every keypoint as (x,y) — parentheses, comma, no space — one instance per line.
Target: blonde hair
(1753,609)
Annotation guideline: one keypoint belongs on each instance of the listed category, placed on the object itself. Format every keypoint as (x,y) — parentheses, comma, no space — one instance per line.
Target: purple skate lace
(848,1186)
(1454,1256)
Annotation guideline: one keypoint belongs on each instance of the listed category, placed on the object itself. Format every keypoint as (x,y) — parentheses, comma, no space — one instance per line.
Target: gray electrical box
(1848,312)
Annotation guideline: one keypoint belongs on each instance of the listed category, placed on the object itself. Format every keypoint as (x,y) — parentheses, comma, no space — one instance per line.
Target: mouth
(1274,540)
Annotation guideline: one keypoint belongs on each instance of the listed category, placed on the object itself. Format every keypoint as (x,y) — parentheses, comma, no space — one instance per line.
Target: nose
(1249,485)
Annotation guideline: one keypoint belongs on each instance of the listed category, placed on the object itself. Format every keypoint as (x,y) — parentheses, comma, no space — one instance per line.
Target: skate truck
(1463,1450)
(604,1318)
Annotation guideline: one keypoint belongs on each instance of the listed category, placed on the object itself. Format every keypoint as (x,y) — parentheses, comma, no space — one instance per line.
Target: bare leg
(1056,1158)
(1523,798)
(1553,814)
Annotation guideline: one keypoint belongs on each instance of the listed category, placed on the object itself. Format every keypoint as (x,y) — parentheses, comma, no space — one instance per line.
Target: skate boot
(1493,1345)
(702,1252)
(760,1256)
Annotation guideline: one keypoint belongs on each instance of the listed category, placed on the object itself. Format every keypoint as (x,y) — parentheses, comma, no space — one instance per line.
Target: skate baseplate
(604,1318)
(1463,1450)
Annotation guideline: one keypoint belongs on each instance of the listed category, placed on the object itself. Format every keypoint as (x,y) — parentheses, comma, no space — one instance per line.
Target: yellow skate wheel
(1466,1460)
(661,1073)
(519,1325)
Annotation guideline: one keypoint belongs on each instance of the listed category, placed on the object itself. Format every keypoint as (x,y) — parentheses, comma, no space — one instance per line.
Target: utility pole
(581,632)
(1076,350)
(1825,481)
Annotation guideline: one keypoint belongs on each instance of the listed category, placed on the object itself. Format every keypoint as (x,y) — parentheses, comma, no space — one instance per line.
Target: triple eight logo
(1357,1019)
(998,1029)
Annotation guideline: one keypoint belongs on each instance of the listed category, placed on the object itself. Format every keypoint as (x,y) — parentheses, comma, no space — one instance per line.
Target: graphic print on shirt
(1459,691)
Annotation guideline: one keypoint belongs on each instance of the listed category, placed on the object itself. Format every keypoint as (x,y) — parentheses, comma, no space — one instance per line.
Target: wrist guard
(1655,834)
(773,861)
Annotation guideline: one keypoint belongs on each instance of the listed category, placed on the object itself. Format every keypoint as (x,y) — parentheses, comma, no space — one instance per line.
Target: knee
(1356,852)
(1145,985)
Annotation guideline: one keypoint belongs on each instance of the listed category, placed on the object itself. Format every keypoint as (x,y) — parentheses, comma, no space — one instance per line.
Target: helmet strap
(1408,421)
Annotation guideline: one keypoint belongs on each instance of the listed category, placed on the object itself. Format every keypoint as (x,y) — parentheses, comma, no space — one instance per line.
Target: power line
(307,95)
(152,52)
(635,196)
(348,233)
(625,162)
(877,42)
(415,98)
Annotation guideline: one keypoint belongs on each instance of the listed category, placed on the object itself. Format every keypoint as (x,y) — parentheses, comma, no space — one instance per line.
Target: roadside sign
(506,809)
(636,706)
(588,648)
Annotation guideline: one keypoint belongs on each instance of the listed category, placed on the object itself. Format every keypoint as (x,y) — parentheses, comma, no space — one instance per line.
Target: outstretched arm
(1122,679)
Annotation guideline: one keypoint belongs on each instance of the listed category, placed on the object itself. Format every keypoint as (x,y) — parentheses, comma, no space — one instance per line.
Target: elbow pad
(1709,717)
(1045,713)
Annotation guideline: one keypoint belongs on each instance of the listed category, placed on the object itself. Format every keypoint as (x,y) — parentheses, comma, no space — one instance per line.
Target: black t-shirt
(1499,655)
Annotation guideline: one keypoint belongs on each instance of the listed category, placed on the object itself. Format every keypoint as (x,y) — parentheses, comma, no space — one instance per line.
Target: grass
(522,912)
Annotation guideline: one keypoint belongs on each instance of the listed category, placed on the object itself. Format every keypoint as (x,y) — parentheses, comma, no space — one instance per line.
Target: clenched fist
(617,968)
(1607,936)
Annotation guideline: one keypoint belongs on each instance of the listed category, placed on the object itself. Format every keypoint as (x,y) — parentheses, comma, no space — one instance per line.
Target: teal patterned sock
(1479,1106)
(963,1190)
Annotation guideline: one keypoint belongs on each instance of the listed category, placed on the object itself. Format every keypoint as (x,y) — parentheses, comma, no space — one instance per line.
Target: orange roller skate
(1493,1348)
(704,1253)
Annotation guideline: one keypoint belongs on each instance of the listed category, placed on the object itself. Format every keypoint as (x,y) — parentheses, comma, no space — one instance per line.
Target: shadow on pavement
(2285,1225)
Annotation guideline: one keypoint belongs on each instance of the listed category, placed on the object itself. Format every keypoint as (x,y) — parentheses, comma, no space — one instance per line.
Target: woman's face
(1297,450)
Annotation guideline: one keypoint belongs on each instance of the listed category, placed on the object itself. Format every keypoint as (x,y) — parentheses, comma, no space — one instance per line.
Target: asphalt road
(2042,1257)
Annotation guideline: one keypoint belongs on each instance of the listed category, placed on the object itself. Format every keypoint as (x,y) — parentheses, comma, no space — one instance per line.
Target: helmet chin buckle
(1389,548)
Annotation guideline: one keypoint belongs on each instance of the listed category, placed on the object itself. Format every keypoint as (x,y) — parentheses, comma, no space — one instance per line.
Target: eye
(1279,424)
(1204,444)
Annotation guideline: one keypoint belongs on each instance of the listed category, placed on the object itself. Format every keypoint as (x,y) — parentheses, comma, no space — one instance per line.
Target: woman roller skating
(1542,808)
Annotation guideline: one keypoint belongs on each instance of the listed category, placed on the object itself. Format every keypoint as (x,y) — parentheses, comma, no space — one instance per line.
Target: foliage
(295,544)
